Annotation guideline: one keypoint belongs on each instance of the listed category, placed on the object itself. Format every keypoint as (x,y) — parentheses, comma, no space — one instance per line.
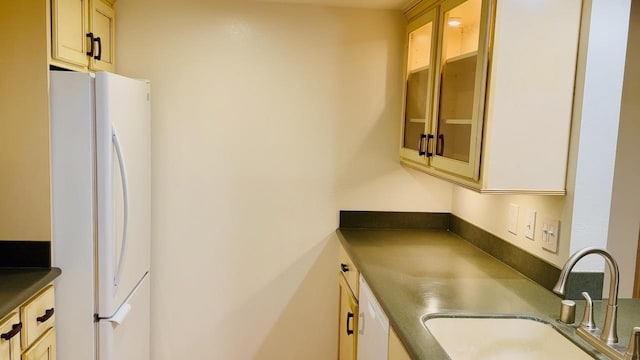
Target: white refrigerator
(100,175)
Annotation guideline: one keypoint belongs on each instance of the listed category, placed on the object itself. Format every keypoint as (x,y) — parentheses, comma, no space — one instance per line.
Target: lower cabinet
(44,348)
(10,328)
(396,349)
(349,316)
(28,333)
(348,322)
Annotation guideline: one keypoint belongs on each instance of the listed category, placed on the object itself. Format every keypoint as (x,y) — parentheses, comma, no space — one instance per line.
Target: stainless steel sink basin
(504,337)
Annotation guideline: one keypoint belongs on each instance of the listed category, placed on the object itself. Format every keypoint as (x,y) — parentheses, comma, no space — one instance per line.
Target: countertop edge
(415,350)
(29,290)
(398,329)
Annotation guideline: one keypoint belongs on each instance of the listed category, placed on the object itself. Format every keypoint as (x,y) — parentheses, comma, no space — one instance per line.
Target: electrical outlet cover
(530,225)
(550,234)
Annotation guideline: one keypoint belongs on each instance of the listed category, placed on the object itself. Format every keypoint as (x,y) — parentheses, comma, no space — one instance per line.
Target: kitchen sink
(472,337)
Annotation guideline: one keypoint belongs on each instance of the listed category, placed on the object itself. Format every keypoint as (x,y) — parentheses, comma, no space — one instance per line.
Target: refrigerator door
(126,335)
(123,172)
(73,226)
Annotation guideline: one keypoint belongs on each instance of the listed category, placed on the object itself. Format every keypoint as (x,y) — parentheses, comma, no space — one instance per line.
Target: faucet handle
(633,350)
(587,319)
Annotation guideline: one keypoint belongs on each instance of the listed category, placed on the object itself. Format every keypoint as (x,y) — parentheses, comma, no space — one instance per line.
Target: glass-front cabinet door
(460,84)
(421,40)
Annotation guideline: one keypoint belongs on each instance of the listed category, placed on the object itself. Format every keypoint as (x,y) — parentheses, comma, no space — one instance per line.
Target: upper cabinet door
(421,40)
(461,71)
(69,32)
(103,30)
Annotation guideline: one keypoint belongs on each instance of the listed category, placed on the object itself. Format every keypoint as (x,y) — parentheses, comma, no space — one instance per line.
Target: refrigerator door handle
(121,313)
(125,198)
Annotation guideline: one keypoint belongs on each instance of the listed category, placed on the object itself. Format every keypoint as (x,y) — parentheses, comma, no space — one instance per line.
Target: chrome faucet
(633,351)
(609,330)
(606,341)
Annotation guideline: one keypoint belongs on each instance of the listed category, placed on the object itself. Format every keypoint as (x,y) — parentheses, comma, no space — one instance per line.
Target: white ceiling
(370,4)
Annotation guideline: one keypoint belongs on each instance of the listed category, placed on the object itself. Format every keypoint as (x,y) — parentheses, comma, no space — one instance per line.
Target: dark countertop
(17,285)
(413,273)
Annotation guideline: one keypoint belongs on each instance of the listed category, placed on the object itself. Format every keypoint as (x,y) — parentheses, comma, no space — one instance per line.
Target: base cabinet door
(10,337)
(43,349)
(348,325)
(396,349)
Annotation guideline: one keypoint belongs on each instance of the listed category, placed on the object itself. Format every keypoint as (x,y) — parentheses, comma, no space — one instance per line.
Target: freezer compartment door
(123,187)
(126,335)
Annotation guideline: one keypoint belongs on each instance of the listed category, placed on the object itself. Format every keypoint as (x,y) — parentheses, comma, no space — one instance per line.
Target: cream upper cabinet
(502,97)
(69,23)
(460,81)
(102,20)
(82,35)
(421,40)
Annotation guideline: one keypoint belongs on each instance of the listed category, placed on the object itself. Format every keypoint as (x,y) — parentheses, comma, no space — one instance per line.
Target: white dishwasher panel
(373,327)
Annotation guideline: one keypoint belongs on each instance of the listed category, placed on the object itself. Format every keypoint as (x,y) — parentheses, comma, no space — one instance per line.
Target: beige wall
(24,122)
(625,205)
(491,213)
(267,119)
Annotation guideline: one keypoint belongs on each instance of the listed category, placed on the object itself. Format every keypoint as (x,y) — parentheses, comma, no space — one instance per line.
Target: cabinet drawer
(10,339)
(44,348)
(348,270)
(37,316)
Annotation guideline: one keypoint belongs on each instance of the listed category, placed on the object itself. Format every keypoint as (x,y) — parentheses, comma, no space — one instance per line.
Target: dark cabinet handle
(344,267)
(349,317)
(424,150)
(429,137)
(90,52)
(99,41)
(440,145)
(47,314)
(421,150)
(15,330)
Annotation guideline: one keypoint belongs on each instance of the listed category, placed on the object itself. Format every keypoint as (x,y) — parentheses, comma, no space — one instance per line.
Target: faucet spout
(609,330)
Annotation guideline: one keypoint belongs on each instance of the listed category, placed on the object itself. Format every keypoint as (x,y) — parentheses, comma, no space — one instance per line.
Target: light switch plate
(513,219)
(550,234)
(530,225)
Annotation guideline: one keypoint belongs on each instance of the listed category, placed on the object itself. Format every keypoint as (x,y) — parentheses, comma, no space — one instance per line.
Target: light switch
(530,225)
(550,234)
(513,219)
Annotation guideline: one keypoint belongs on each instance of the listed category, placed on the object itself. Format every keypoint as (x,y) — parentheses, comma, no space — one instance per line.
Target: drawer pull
(344,267)
(47,314)
(349,317)
(15,330)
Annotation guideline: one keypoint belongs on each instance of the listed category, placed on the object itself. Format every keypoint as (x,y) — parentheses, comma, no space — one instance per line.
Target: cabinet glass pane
(457,80)
(418,68)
